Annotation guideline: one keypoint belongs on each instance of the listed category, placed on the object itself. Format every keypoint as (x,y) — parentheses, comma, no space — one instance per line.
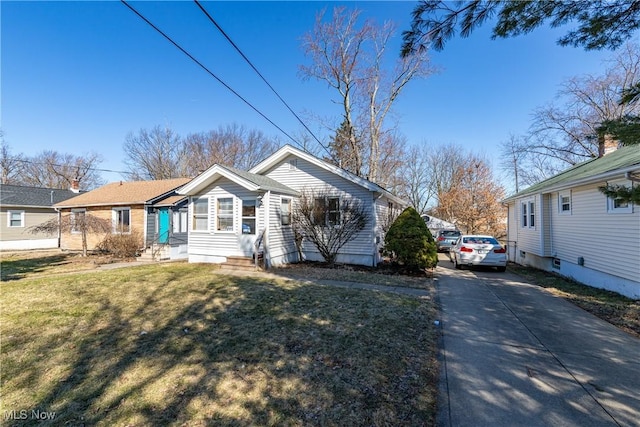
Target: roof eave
(570,184)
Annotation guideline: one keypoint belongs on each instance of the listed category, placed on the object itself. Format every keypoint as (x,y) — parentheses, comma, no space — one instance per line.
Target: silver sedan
(472,250)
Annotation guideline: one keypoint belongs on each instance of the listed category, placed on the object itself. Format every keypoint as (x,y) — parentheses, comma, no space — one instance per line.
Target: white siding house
(567,225)
(233,211)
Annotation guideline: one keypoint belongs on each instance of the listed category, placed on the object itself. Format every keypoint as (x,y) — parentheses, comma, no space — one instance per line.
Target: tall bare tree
(576,125)
(154,154)
(10,164)
(60,170)
(418,186)
(350,57)
(231,145)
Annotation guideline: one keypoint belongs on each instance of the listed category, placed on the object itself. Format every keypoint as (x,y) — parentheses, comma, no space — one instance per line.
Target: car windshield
(480,240)
(451,233)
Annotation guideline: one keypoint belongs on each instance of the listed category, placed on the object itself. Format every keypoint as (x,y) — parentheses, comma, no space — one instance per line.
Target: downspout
(59,222)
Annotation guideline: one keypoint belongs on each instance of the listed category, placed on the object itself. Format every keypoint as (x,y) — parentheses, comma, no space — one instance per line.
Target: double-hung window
(285,211)
(528,214)
(326,211)
(224,214)
(77,220)
(121,218)
(249,216)
(200,211)
(15,219)
(564,203)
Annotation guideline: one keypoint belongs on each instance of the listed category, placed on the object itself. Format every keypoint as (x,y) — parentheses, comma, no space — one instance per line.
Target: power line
(17,159)
(209,72)
(213,21)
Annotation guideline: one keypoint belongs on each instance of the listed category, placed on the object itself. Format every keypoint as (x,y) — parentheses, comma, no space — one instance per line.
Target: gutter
(626,172)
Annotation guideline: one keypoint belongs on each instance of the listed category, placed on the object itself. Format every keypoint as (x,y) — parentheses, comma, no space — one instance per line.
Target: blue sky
(79,76)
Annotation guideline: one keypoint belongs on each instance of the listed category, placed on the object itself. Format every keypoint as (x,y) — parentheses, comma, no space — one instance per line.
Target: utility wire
(213,21)
(17,159)
(209,72)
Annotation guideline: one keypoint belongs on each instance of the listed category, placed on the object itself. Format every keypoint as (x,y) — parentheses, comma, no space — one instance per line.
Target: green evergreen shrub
(410,243)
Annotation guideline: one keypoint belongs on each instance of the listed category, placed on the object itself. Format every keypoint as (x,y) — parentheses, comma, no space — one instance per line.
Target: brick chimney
(609,146)
(75,185)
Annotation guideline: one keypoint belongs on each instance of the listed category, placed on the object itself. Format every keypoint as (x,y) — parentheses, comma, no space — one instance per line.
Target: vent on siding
(556,264)
(293,164)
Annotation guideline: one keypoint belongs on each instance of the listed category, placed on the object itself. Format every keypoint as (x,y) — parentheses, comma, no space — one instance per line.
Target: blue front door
(163,225)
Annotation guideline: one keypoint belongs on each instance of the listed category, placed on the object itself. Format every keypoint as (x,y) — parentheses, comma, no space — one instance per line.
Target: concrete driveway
(512,354)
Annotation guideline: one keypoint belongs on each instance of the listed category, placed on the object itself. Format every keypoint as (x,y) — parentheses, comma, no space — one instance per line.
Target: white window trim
(611,209)
(9,212)
(526,212)
(233,214)
(560,204)
(192,212)
(290,200)
(524,215)
(532,214)
(179,221)
(114,219)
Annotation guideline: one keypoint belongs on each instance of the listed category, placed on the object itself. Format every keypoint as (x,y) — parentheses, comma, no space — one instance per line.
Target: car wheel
(456,265)
(502,269)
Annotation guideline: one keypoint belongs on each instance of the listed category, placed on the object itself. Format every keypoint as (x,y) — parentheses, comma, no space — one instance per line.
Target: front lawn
(182,344)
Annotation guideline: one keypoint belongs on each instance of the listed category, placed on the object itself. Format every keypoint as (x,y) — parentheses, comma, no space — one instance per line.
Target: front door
(248,226)
(163,225)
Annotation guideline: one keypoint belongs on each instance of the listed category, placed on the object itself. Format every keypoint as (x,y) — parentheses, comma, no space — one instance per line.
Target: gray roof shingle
(18,195)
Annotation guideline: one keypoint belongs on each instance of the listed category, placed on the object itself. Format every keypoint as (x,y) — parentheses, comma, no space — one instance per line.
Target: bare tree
(349,58)
(81,222)
(418,186)
(570,130)
(327,221)
(10,164)
(52,169)
(154,154)
(231,145)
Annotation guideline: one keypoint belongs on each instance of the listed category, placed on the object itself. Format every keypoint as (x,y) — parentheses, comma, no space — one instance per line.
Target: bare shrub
(121,245)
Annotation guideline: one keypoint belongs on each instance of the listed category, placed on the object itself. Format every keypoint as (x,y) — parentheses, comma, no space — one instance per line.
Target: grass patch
(616,309)
(181,344)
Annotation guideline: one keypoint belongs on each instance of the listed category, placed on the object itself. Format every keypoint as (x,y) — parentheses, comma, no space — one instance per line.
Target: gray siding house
(24,207)
(238,213)
(566,225)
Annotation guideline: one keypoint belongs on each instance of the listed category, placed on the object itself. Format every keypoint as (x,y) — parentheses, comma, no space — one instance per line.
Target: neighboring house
(151,208)
(566,225)
(234,212)
(436,224)
(24,207)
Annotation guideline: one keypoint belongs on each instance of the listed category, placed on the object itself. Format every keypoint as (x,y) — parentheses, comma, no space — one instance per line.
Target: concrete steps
(154,254)
(238,263)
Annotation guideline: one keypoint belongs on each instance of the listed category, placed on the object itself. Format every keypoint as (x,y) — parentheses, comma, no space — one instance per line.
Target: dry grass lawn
(182,344)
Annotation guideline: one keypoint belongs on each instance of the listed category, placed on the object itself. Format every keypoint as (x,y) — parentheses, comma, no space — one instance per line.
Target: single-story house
(151,208)
(237,213)
(567,225)
(23,207)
